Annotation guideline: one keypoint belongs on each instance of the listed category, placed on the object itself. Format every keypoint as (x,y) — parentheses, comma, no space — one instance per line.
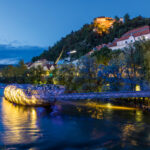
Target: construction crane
(69,53)
(57,60)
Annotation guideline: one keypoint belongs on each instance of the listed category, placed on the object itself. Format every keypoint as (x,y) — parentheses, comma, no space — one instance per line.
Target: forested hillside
(85,39)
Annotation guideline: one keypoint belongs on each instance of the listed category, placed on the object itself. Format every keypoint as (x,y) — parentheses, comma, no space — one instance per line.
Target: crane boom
(59,56)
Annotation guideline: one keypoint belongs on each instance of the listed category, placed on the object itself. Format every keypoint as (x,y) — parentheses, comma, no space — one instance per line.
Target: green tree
(145,63)
(117,18)
(103,56)
(87,80)
(126,18)
(64,76)
(35,76)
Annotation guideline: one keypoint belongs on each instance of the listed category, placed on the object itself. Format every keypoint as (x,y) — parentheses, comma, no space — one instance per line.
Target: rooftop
(135,32)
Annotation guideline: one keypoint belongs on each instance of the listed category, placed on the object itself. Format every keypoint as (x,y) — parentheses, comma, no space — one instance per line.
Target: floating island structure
(30,95)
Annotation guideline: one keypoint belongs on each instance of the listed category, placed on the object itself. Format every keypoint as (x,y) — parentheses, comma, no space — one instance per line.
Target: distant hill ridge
(11,55)
(86,38)
(25,47)
(3,66)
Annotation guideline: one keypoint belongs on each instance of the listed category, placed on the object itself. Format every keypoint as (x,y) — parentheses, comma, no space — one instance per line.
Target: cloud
(9,61)
(12,43)
(16,43)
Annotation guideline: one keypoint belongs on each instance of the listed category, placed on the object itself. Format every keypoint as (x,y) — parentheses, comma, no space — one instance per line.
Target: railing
(103,95)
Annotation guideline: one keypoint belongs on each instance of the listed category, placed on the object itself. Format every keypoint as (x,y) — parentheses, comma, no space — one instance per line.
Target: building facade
(130,37)
(103,24)
(46,65)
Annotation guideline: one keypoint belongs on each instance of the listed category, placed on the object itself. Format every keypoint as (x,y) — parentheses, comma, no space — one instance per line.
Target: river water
(73,126)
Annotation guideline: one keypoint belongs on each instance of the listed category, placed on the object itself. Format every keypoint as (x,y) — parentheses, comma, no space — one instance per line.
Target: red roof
(136,32)
(114,43)
(99,47)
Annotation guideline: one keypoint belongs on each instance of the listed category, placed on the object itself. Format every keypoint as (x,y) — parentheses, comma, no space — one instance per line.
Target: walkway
(104,95)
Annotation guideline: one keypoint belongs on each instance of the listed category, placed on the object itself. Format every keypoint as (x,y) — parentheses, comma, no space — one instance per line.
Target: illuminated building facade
(102,24)
(130,37)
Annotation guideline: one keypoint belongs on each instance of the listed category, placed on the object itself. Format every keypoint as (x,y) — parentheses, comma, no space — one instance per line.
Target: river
(73,126)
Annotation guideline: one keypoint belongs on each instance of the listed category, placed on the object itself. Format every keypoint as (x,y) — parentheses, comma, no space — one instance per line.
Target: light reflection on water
(19,123)
(73,126)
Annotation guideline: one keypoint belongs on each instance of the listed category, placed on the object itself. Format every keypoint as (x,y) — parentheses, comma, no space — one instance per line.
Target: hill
(2,66)
(86,38)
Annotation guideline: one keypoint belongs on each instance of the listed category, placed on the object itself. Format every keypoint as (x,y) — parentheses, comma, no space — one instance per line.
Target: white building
(46,65)
(130,37)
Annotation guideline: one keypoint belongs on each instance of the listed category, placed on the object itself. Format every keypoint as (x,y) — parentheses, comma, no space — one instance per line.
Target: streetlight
(71,52)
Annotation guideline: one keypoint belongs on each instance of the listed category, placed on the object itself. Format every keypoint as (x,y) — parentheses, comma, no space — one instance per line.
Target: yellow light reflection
(109,106)
(127,132)
(139,116)
(20,124)
(95,110)
(137,88)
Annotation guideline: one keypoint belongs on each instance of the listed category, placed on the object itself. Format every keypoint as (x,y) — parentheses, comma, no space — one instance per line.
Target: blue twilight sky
(44,22)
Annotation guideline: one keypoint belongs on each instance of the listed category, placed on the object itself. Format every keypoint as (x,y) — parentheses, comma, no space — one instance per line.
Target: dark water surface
(73,127)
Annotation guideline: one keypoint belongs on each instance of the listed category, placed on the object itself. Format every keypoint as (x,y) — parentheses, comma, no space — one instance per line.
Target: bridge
(41,96)
(102,95)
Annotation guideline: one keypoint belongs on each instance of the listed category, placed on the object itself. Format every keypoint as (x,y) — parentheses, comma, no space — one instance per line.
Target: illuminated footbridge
(133,99)
(30,95)
(104,95)
(47,95)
